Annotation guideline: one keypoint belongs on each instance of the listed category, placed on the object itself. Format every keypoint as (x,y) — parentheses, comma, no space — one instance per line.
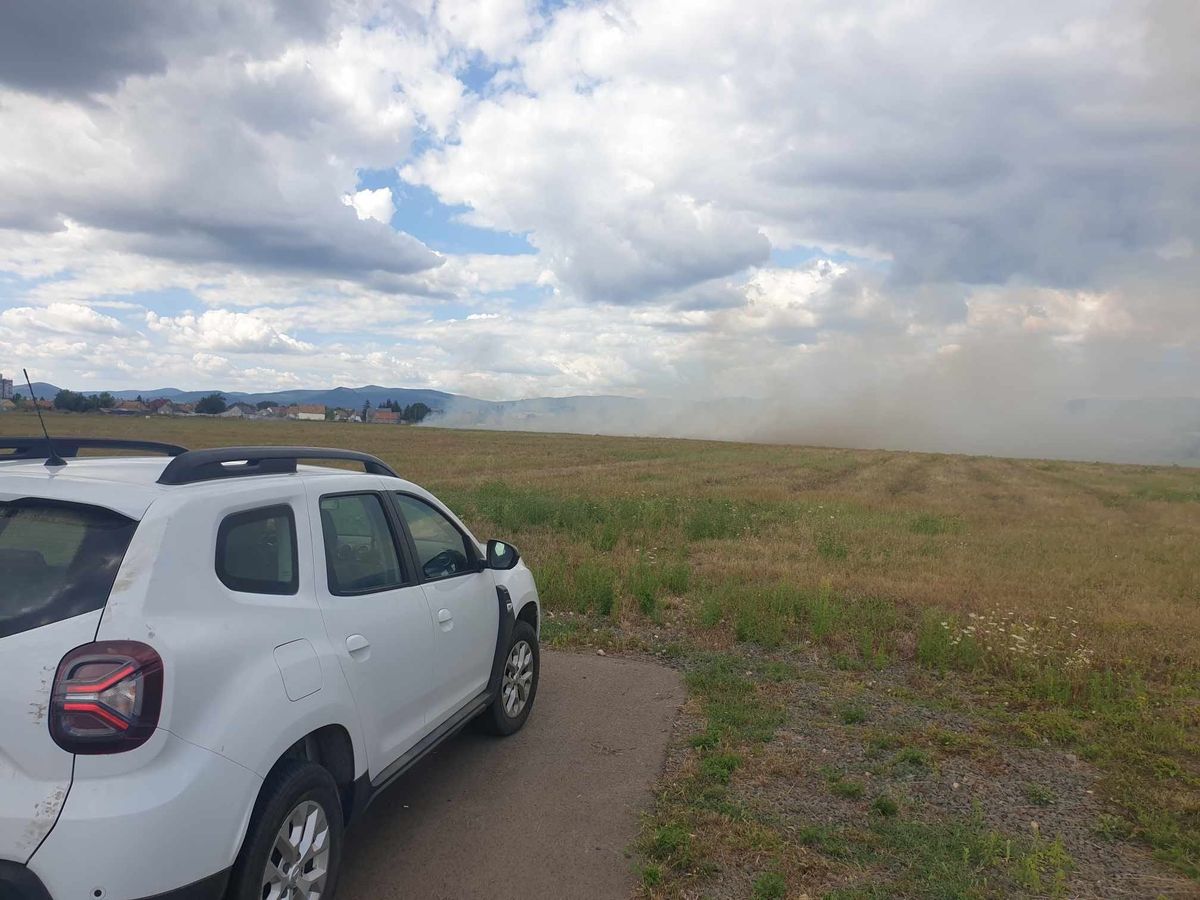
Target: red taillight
(106,697)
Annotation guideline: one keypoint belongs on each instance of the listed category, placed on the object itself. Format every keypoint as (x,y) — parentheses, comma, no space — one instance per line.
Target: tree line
(72,401)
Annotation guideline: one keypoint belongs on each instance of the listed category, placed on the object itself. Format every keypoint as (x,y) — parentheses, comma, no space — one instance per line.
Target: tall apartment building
(6,388)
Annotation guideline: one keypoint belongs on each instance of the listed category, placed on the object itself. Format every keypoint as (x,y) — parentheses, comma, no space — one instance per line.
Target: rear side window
(57,560)
(256,551)
(360,549)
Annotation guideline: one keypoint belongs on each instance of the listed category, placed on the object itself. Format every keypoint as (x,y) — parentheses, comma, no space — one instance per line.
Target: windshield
(57,560)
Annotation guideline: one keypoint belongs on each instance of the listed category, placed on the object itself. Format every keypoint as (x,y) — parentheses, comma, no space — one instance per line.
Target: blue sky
(420,213)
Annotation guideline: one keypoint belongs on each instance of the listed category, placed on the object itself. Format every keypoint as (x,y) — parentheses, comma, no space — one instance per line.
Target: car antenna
(53,460)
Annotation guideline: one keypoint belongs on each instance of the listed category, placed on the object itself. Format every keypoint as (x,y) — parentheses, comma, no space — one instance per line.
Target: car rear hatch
(58,561)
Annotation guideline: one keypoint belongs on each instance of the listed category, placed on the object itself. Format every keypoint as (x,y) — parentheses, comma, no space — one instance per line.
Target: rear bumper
(211,888)
(158,832)
(18,883)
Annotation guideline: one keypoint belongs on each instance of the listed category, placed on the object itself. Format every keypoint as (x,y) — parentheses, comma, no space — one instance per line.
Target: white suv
(216,661)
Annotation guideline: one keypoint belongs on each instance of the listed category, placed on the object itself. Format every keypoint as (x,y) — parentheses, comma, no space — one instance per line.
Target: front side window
(256,551)
(360,551)
(57,560)
(442,550)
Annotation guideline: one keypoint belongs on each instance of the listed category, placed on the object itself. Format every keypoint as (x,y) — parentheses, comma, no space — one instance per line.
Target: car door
(377,618)
(462,598)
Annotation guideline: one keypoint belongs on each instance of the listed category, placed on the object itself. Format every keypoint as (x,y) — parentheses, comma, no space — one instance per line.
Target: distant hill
(350,398)
(43,390)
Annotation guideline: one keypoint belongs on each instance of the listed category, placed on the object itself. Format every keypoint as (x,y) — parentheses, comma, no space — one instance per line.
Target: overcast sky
(919,202)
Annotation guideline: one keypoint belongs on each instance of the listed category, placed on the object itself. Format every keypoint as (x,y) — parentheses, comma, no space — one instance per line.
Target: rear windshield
(57,560)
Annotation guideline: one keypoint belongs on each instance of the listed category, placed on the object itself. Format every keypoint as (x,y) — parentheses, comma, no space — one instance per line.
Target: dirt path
(547,813)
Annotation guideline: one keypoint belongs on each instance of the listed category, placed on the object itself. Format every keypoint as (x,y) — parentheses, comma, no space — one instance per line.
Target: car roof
(129,484)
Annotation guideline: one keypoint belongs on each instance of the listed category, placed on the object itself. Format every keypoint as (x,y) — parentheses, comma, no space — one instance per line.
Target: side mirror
(501,555)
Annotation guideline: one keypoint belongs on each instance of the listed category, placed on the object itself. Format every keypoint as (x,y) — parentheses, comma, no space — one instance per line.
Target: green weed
(733,707)
(715,519)
(652,875)
(831,544)
(1166,494)
(769,886)
(941,646)
(885,806)
(720,767)
(846,788)
(594,588)
(927,523)
(670,844)
(951,860)
(853,714)
(1039,795)
(819,610)
(884,742)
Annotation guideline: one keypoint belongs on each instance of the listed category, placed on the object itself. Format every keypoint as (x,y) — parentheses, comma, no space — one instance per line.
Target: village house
(309,412)
(383,417)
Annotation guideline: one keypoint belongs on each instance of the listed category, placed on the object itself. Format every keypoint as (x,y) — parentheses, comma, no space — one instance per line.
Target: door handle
(445,619)
(358,646)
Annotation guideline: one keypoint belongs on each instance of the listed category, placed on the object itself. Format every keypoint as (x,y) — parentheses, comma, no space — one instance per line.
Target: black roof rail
(40,448)
(208,465)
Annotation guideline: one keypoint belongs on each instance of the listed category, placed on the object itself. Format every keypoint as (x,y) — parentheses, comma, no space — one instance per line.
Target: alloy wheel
(518,678)
(298,863)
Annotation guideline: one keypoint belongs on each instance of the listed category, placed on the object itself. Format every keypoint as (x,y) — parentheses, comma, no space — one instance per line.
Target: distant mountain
(350,398)
(42,389)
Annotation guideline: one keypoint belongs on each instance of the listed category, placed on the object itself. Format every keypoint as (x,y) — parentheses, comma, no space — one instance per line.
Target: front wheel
(518,683)
(294,843)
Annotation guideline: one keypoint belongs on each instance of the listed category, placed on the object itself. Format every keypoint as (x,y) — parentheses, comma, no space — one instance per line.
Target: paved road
(547,813)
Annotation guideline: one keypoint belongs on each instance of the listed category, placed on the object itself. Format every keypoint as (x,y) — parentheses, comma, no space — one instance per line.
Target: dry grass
(1117,546)
(1067,593)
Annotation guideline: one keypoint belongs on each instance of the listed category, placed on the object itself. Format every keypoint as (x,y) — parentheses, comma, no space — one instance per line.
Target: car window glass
(256,551)
(57,560)
(360,552)
(442,550)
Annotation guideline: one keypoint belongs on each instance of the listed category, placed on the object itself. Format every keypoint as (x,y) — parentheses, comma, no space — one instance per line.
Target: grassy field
(910,674)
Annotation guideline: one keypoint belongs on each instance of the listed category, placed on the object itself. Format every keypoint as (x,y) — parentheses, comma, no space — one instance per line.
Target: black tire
(495,719)
(291,783)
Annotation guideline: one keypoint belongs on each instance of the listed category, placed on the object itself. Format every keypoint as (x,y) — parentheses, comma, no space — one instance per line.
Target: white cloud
(210,363)
(235,153)
(219,329)
(495,28)
(372,204)
(60,318)
(647,146)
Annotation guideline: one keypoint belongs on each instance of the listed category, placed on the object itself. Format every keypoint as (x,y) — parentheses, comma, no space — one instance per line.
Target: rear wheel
(518,683)
(293,847)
